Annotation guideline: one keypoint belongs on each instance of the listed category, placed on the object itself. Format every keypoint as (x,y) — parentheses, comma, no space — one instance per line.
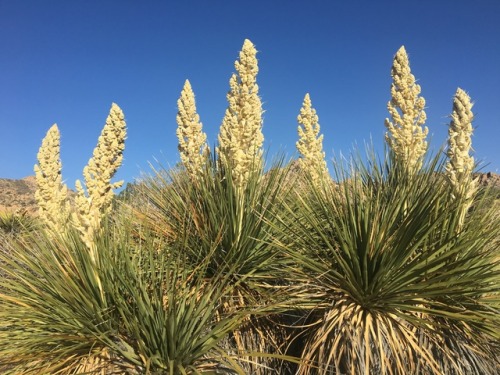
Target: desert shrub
(399,286)
(130,310)
(238,226)
(15,223)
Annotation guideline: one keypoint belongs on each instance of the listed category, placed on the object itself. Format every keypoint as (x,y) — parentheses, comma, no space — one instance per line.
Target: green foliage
(370,274)
(155,316)
(399,287)
(238,226)
(14,224)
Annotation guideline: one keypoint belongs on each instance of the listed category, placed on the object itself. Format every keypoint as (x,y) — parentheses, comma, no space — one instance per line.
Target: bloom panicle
(240,137)
(460,163)
(192,140)
(405,135)
(51,194)
(310,143)
(107,157)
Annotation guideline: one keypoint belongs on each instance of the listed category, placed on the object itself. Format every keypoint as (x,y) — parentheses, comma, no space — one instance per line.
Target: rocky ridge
(18,195)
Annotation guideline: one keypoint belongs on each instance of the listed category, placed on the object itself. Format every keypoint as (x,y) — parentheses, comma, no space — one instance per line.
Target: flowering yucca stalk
(310,143)
(51,193)
(101,168)
(240,137)
(460,164)
(192,140)
(405,134)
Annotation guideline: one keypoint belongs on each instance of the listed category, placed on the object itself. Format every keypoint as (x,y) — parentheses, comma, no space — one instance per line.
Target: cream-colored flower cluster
(192,140)
(51,194)
(90,207)
(460,163)
(240,137)
(405,134)
(107,158)
(310,143)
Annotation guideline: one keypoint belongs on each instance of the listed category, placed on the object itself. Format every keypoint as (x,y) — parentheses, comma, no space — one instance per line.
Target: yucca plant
(52,316)
(226,202)
(237,224)
(13,224)
(156,316)
(398,289)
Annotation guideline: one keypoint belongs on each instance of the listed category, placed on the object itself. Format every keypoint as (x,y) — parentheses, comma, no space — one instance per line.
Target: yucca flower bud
(405,135)
(107,158)
(310,143)
(460,163)
(192,141)
(51,194)
(240,137)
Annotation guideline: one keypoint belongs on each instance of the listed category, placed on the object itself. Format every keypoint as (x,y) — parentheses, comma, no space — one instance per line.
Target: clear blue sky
(65,62)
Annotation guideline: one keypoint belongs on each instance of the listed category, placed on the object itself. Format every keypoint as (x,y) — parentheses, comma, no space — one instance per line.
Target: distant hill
(489,179)
(19,195)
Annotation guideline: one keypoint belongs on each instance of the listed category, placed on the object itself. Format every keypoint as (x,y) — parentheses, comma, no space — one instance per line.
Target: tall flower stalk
(310,143)
(192,140)
(405,135)
(240,137)
(93,204)
(460,163)
(51,194)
